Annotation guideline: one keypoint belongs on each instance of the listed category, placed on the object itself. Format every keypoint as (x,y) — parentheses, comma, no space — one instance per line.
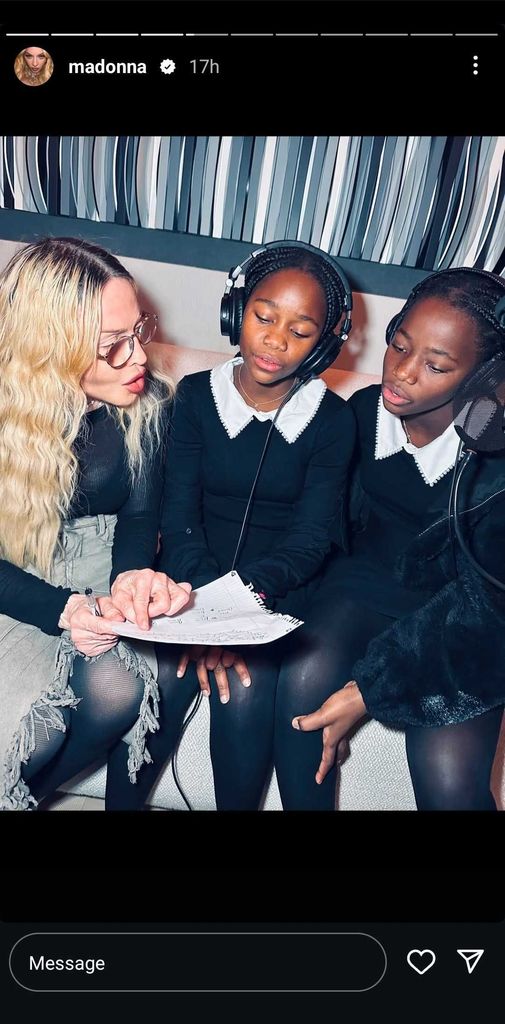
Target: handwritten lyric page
(224,612)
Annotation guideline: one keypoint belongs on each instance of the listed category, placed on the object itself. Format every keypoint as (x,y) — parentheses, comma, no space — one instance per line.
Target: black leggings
(450,766)
(111,698)
(253,732)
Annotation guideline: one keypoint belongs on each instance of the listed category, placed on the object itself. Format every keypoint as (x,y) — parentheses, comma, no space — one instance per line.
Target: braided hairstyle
(476,294)
(291,258)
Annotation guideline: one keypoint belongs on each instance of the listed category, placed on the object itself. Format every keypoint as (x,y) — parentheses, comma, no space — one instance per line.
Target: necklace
(256,405)
(409,439)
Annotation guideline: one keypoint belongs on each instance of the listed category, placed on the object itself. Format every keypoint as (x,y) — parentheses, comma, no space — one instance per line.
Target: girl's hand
(142,593)
(216,660)
(90,633)
(335,717)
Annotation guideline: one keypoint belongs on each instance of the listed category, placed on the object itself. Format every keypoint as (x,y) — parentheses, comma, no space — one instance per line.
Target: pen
(92,602)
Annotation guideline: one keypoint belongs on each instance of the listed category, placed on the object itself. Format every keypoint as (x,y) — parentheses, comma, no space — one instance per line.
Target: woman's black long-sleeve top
(104,487)
(297,507)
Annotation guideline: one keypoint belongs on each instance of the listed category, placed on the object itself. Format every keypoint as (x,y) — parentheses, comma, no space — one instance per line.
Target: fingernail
(179,673)
(246,682)
(206,693)
(295,723)
(224,699)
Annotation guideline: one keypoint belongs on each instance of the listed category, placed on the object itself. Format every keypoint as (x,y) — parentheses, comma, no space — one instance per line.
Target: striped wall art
(428,202)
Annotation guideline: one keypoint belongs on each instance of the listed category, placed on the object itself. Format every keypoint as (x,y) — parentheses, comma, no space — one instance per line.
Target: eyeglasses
(120,351)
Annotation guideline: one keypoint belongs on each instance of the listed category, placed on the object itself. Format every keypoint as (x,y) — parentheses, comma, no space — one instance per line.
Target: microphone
(479,408)
(479,420)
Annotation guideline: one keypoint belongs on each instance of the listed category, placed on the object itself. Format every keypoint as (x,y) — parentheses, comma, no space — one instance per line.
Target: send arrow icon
(471,957)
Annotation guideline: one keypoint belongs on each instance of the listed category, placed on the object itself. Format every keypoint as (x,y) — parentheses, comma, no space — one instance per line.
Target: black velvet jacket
(445,662)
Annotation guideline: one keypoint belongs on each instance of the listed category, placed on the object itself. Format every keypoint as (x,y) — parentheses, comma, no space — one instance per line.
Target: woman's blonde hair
(20,66)
(50,320)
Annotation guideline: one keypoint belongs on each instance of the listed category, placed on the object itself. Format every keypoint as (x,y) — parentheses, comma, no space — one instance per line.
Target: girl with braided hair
(410,635)
(294,299)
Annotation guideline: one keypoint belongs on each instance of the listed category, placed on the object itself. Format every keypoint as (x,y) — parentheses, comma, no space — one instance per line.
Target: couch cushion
(375,777)
(346,382)
(178,361)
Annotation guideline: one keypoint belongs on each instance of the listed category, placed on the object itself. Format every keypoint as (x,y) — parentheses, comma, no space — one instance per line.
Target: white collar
(433,460)
(235,414)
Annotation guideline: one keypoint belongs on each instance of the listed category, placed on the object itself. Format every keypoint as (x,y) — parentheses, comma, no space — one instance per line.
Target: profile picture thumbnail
(33,66)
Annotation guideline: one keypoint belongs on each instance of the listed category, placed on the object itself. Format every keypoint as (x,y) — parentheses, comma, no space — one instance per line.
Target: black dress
(297,509)
(296,519)
(425,643)
(391,504)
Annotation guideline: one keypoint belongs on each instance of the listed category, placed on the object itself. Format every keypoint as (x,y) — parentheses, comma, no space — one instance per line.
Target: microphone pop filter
(478,408)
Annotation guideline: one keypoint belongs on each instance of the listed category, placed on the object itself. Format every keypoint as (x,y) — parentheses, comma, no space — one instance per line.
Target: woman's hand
(335,717)
(90,633)
(142,593)
(216,660)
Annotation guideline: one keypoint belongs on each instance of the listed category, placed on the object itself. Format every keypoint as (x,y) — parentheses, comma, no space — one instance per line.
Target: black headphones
(499,311)
(328,346)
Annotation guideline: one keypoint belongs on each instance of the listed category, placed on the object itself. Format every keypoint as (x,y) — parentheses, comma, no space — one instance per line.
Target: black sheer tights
(110,704)
(253,731)
(332,640)
(451,765)
(241,734)
(175,697)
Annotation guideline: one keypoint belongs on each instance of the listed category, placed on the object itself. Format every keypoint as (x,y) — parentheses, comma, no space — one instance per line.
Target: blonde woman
(82,430)
(33,66)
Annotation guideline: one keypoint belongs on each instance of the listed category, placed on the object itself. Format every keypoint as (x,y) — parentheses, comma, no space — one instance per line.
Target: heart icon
(421,960)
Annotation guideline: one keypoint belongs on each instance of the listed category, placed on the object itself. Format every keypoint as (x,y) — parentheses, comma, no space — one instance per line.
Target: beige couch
(374,777)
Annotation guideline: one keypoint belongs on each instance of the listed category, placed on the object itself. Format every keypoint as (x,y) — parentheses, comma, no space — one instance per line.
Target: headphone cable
(464,547)
(192,712)
(299,383)
(452,508)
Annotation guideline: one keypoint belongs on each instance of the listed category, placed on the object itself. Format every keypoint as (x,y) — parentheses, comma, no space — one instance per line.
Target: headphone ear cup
(232,311)
(225,316)
(392,327)
(322,357)
(236,314)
